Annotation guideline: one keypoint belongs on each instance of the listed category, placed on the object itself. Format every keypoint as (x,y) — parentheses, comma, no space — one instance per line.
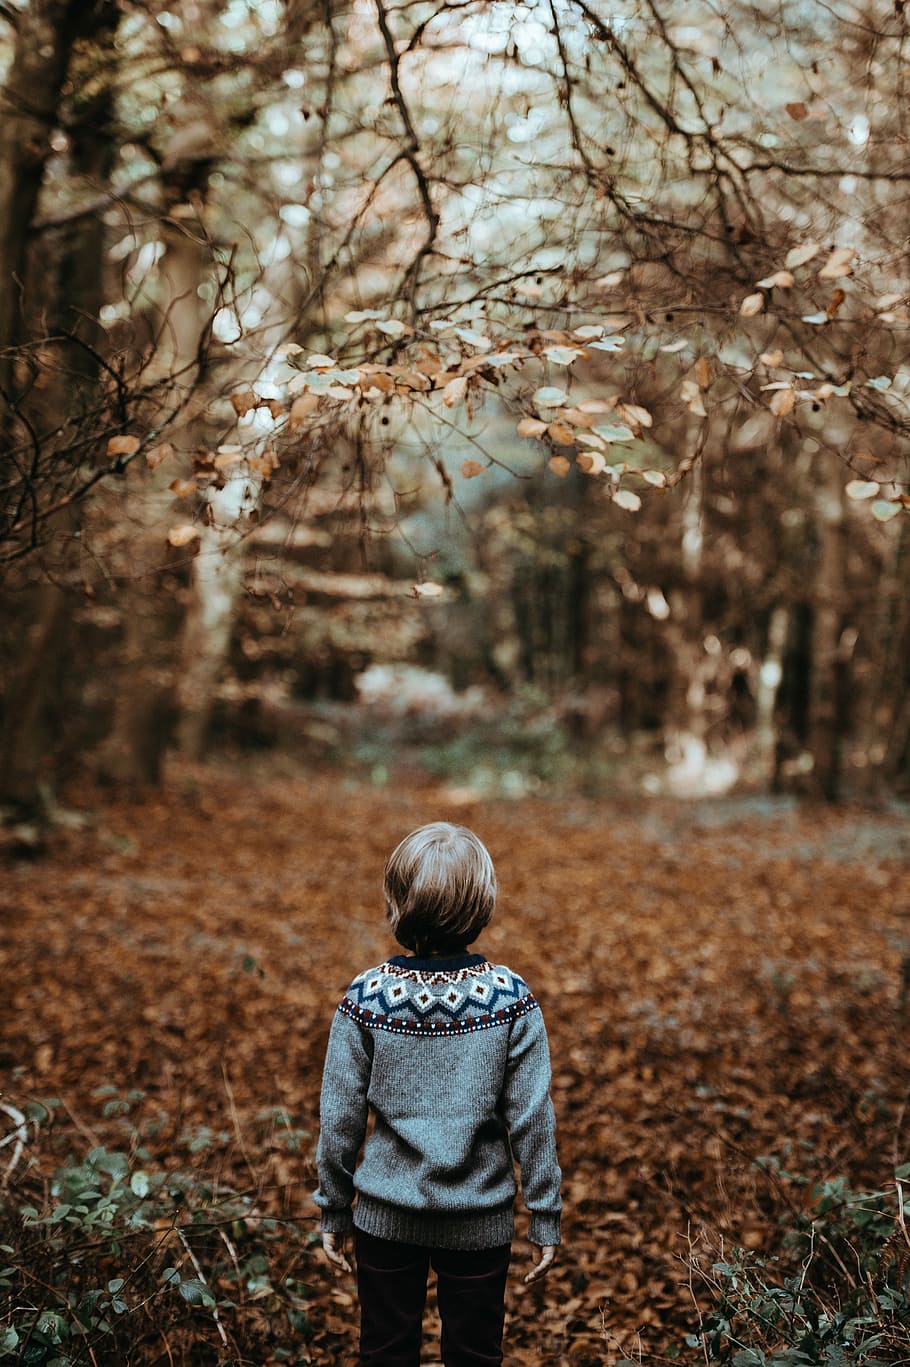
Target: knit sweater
(450,1058)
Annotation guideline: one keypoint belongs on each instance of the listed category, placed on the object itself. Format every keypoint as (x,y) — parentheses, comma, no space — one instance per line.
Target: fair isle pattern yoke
(410,1001)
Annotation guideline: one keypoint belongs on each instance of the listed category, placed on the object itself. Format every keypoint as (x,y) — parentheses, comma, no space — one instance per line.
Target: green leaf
(195,1292)
(170,1276)
(115,1284)
(8,1339)
(880,382)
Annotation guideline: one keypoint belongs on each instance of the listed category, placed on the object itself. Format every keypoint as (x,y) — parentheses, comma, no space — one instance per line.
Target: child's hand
(336,1247)
(543,1259)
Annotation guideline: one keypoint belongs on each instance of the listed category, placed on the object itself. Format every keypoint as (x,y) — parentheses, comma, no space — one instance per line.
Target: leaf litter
(721,984)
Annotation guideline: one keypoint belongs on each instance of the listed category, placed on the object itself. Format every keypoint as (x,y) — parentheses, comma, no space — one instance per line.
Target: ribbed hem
(435,1229)
(337,1221)
(544,1229)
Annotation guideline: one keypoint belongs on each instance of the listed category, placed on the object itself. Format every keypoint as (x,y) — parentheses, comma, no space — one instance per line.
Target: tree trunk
(687,749)
(146,699)
(827,700)
(45,32)
(26,737)
(770,674)
(73,299)
(217,582)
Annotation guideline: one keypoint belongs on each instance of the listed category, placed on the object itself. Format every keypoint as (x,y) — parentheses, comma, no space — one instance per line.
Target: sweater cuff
(337,1221)
(544,1228)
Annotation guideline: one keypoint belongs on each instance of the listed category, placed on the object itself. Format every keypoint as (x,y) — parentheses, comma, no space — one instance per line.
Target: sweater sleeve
(343,1121)
(528,1113)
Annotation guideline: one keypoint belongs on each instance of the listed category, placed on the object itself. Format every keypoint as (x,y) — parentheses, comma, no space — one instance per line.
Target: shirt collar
(440,964)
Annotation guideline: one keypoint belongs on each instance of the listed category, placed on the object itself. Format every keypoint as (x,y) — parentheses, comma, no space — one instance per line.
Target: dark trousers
(392,1285)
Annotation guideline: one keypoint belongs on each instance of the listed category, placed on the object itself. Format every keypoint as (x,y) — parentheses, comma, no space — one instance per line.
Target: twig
(235,1121)
(16,1137)
(216,1316)
(901,1213)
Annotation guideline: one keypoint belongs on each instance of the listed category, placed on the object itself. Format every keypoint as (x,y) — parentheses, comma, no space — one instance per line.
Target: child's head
(440,889)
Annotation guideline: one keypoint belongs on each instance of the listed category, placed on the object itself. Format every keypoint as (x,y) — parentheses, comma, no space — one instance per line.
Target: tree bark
(72,299)
(217,581)
(146,702)
(827,700)
(28,110)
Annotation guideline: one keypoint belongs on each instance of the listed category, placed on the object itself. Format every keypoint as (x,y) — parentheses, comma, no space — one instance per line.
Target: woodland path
(720,982)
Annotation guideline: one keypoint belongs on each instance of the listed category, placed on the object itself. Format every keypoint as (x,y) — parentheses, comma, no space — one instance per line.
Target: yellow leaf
(454,391)
(264,464)
(691,397)
(560,434)
(471,468)
(838,264)
(783,402)
(123,446)
(531,427)
(780,279)
(752,304)
(704,374)
(634,415)
(339,391)
(159,454)
(319,362)
(576,417)
(182,488)
(771,358)
(227,455)
(182,535)
(380,380)
(590,439)
(428,589)
(592,462)
(598,405)
(798,256)
(797,110)
(301,409)
(244,401)
(559,465)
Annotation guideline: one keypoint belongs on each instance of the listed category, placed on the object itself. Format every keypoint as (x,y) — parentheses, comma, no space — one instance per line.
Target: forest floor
(723,983)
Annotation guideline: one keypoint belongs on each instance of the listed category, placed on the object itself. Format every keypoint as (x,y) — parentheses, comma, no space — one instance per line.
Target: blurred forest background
(534,373)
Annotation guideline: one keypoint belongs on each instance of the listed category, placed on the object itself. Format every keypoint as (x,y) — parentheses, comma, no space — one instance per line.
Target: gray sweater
(450,1058)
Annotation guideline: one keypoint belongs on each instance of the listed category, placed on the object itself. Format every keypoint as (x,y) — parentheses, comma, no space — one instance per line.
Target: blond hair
(440,888)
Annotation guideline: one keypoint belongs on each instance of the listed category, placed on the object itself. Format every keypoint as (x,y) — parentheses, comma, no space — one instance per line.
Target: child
(449,1054)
